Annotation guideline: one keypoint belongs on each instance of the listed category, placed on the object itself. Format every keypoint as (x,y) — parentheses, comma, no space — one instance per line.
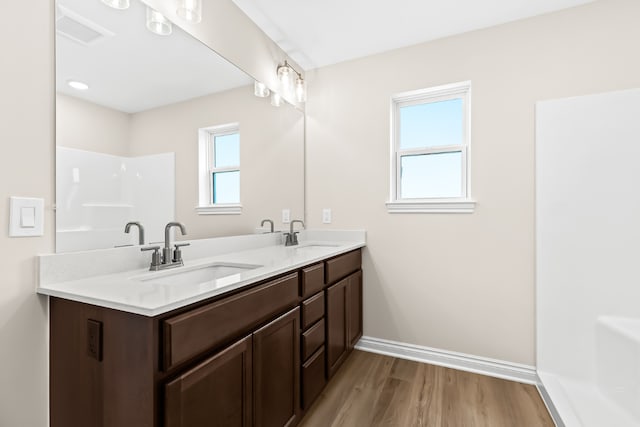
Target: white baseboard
(464,362)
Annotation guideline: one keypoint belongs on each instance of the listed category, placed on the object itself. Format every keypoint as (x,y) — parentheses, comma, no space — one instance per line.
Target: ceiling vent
(73,26)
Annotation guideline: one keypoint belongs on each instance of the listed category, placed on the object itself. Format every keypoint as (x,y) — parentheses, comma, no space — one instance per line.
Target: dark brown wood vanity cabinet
(216,392)
(256,357)
(344,308)
(312,354)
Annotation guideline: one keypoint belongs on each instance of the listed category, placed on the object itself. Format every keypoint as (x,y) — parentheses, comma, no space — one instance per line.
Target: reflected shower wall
(97,194)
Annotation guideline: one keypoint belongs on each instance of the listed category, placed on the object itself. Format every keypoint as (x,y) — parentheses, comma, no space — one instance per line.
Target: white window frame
(206,141)
(464,204)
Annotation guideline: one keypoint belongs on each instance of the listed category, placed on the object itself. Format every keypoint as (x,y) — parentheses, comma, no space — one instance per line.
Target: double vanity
(247,332)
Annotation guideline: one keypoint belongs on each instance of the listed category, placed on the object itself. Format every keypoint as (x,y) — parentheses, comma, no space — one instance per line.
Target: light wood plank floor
(374,390)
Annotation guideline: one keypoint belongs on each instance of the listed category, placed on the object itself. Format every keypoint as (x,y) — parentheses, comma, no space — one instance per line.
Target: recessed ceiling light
(78,85)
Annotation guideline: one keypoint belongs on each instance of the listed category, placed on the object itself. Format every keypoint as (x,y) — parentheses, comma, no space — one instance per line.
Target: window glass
(226,187)
(431,124)
(436,175)
(227,150)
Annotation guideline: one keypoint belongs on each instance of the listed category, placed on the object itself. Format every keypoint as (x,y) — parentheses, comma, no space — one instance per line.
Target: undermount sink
(206,273)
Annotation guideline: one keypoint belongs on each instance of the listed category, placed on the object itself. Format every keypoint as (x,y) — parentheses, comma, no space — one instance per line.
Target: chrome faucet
(170,257)
(291,236)
(269,221)
(127,228)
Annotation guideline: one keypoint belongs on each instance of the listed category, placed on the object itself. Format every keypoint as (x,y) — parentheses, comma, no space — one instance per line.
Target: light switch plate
(326,216)
(286,216)
(26,217)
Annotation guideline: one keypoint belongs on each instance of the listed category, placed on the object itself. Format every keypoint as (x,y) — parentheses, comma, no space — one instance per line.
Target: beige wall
(271,157)
(459,282)
(26,169)
(88,126)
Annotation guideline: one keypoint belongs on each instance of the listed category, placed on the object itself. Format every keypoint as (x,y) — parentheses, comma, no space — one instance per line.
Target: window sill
(222,209)
(432,206)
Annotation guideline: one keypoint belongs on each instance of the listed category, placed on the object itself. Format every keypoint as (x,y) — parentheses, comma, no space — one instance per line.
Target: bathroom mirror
(153,128)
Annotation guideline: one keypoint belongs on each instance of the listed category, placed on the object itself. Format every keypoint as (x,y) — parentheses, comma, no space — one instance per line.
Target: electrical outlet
(94,339)
(286,216)
(326,216)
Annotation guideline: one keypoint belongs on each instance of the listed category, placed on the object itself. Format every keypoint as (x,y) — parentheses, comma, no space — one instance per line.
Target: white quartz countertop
(152,293)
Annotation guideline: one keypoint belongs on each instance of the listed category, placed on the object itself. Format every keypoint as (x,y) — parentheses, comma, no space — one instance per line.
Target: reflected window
(225,166)
(219,157)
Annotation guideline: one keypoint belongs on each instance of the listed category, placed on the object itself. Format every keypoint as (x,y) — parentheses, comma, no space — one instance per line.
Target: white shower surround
(97,194)
(587,252)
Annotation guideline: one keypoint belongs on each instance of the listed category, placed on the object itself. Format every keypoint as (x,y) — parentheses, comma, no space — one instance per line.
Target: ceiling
(132,69)
(322,32)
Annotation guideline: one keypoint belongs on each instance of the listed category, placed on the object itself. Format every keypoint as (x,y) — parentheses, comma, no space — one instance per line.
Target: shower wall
(97,194)
(588,243)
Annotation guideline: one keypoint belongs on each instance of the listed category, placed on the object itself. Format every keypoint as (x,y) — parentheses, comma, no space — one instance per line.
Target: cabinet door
(337,298)
(216,393)
(355,308)
(276,370)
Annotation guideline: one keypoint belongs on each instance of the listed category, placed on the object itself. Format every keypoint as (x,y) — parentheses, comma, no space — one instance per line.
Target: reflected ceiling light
(300,90)
(77,85)
(286,75)
(260,89)
(276,99)
(190,10)
(158,23)
(117,4)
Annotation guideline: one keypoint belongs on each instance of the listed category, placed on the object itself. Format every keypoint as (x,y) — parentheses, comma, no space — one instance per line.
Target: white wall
(26,169)
(459,282)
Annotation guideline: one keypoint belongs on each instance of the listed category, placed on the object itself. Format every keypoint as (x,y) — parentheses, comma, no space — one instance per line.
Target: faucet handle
(155,256)
(177,253)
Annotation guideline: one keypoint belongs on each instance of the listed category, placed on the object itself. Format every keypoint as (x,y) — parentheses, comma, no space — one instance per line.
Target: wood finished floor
(374,390)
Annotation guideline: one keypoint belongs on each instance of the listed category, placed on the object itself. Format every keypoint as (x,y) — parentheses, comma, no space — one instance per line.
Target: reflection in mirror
(165,130)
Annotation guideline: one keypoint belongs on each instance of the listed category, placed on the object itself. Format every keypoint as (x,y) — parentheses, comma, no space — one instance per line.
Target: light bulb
(190,10)
(260,89)
(157,23)
(285,74)
(301,90)
(276,99)
(117,4)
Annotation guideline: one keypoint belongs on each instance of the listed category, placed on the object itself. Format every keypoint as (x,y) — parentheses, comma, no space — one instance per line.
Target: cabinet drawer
(313,378)
(312,339)
(312,280)
(312,310)
(343,265)
(188,334)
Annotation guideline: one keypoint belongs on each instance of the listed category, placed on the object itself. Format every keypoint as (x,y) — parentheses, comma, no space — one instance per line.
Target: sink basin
(199,275)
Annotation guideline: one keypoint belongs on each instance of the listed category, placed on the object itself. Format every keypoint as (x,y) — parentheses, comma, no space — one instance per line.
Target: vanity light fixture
(301,90)
(260,89)
(276,99)
(286,73)
(157,23)
(77,85)
(117,4)
(190,10)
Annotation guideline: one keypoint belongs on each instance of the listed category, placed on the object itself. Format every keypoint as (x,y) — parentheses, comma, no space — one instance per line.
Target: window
(430,150)
(219,170)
